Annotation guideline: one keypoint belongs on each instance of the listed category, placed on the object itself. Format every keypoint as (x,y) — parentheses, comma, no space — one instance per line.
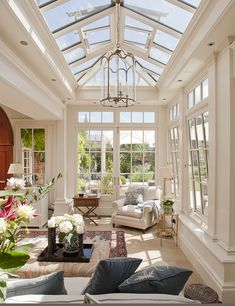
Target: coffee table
(35,268)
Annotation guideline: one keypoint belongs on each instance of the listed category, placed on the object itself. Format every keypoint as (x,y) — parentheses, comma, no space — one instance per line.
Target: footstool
(202,293)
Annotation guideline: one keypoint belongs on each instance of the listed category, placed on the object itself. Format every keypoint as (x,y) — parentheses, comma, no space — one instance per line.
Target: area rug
(116,239)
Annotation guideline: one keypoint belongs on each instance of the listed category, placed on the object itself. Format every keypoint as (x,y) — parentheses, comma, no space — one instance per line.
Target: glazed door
(5,160)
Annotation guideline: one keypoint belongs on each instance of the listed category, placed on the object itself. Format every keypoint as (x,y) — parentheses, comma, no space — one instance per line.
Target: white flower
(3,226)
(15,183)
(65,227)
(80,229)
(26,212)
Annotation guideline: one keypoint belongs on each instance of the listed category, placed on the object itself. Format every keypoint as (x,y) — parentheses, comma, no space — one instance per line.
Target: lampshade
(15,169)
(165,173)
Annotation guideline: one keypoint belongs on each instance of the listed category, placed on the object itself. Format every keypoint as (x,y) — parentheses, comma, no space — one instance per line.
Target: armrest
(117,204)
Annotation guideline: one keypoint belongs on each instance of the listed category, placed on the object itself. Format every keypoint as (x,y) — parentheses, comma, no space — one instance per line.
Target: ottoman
(202,293)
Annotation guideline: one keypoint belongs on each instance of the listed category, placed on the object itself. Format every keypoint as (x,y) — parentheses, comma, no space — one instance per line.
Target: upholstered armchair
(142,215)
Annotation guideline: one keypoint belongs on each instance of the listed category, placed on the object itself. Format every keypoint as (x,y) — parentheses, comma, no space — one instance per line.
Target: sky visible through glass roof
(85,30)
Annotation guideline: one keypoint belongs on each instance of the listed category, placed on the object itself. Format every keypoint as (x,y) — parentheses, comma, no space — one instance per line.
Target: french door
(110,160)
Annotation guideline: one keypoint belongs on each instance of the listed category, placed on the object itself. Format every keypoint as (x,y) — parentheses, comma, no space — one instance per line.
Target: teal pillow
(110,273)
(51,284)
(156,279)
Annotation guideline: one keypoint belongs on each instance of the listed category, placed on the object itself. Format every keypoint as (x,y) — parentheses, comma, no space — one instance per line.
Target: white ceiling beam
(183,5)
(168,51)
(77,46)
(83,22)
(52,5)
(89,74)
(151,22)
(137,29)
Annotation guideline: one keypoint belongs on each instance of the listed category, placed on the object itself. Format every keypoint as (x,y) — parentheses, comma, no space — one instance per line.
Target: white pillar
(62,204)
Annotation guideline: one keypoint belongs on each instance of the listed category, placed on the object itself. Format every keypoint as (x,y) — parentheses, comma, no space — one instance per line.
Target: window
(137,117)
(95,117)
(33,155)
(174,149)
(198,94)
(174,112)
(95,160)
(198,162)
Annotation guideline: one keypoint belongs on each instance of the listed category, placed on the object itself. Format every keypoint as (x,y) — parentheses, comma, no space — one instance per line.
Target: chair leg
(113,225)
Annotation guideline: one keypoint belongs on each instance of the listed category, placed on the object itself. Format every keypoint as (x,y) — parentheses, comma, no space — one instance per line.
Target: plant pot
(74,245)
(168,209)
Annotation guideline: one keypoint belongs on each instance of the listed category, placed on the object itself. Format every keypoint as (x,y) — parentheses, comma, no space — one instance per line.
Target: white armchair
(135,215)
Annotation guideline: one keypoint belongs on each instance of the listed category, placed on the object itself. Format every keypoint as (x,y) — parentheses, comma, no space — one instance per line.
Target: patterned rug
(116,238)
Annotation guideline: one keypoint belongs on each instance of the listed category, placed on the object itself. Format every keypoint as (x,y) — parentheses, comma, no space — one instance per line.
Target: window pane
(107,117)
(206,127)
(27,138)
(149,66)
(68,40)
(96,24)
(125,117)
(193,140)
(190,99)
(107,140)
(98,36)
(205,89)
(159,55)
(83,117)
(95,117)
(125,140)
(149,117)
(137,140)
(125,163)
(149,140)
(166,40)
(95,140)
(200,132)
(74,55)
(39,139)
(197,94)
(135,36)
(135,23)
(137,117)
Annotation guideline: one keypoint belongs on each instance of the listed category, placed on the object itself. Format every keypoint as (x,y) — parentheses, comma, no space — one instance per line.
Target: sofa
(138,215)
(75,286)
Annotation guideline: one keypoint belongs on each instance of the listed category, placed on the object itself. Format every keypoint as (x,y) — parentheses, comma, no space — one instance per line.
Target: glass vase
(73,245)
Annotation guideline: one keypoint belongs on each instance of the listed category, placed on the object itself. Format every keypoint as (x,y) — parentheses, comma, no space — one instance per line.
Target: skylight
(86,29)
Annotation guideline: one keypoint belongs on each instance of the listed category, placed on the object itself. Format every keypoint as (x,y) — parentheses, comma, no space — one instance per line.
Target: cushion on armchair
(134,197)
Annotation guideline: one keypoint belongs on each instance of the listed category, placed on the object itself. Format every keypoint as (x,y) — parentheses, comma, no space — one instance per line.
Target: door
(6,147)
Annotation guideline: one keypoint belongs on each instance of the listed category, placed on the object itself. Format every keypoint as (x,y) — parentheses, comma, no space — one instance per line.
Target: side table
(88,202)
(168,226)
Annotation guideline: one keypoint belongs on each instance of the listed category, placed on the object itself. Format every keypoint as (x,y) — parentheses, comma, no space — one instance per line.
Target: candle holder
(51,240)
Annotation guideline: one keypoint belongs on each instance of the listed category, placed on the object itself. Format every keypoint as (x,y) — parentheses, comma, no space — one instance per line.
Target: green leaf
(10,262)
(24,248)
(3,291)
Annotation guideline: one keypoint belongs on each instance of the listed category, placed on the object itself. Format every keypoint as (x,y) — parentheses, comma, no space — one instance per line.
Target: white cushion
(150,193)
(75,285)
(45,299)
(130,211)
(149,298)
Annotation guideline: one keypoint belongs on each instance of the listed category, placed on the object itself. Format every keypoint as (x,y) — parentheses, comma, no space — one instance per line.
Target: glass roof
(85,30)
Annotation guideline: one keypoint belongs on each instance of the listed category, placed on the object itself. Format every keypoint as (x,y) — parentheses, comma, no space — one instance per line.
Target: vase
(73,245)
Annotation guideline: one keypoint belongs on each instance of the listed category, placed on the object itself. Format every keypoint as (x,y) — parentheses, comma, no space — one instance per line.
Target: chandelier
(118,75)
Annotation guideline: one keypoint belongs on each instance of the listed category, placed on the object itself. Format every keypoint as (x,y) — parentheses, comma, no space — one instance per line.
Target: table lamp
(165,174)
(16,169)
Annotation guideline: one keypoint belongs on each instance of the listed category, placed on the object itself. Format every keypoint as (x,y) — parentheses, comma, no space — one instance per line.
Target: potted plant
(167,205)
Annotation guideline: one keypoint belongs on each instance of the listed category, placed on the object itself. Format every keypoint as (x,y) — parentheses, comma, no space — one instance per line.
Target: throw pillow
(134,197)
(51,284)
(110,273)
(156,279)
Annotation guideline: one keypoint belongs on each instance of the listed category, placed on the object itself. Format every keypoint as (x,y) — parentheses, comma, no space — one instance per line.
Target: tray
(59,255)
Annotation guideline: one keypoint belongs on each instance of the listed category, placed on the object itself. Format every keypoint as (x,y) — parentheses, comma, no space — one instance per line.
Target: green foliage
(123,180)
(3,291)
(107,184)
(10,262)
(138,174)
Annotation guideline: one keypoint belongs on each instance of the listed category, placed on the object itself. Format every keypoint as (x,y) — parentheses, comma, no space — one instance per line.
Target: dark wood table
(88,202)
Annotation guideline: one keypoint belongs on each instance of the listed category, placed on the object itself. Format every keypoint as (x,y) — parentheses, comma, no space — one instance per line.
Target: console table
(88,202)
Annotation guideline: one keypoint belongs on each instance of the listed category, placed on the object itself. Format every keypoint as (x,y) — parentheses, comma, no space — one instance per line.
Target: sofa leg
(113,225)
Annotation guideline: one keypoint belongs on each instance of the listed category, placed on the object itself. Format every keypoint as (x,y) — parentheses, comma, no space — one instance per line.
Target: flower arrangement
(15,184)
(69,227)
(167,205)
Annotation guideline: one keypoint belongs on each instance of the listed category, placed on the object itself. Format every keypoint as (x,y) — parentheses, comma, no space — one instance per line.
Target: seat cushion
(130,211)
(156,279)
(134,197)
(150,193)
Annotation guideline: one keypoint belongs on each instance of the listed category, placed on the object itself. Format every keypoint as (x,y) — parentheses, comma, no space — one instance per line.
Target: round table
(202,293)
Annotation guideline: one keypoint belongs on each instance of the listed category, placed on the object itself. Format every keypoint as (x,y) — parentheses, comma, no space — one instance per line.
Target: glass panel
(83,117)
(85,65)
(107,117)
(98,36)
(137,140)
(39,139)
(68,40)
(137,167)
(71,11)
(27,138)
(137,117)
(95,140)
(149,66)
(200,132)
(74,55)
(190,99)
(135,36)
(125,117)
(95,162)
(206,127)
(166,40)
(176,138)
(149,117)
(95,117)
(205,89)
(159,55)
(96,24)
(39,162)
(107,184)
(149,140)
(165,12)
(197,91)
(125,163)
(192,133)
(149,166)
(193,2)
(38,180)
(95,80)
(107,141)
(125,140)
(135,23)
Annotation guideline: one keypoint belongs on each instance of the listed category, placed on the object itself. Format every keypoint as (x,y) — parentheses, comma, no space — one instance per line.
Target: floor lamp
(165,174)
